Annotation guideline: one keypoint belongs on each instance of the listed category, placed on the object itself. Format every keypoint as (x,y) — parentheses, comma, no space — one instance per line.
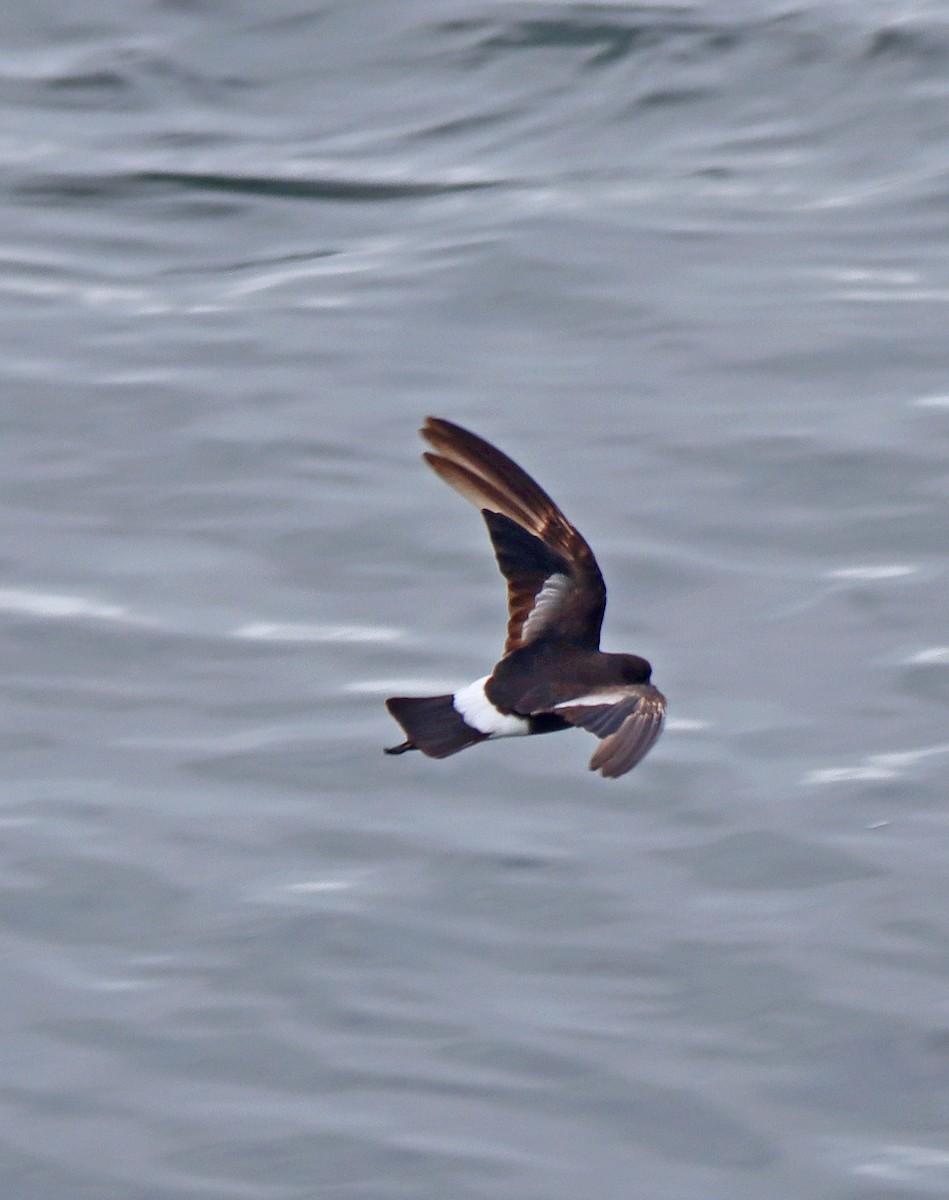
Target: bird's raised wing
(628,719)
(554,584)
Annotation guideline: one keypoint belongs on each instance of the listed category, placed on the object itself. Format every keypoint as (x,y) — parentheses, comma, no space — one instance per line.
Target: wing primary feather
(628,726)
(488,463)
(482,493)
(622,750)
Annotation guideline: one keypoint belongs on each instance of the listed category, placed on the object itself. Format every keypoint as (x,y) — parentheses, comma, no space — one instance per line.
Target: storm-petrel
(552,673)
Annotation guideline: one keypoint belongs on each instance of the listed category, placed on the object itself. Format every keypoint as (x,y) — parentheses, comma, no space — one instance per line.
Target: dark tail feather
(433,725)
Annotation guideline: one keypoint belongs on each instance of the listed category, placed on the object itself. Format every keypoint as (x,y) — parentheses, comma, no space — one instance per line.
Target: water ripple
(877,767)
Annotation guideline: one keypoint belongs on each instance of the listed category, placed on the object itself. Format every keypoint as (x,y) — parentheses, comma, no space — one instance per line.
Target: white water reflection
(877,767)
(55,606)
(276,631)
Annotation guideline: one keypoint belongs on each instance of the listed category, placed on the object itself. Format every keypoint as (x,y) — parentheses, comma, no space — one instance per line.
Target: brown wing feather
(480,492)
(497,485)
(525,501)
(628,726)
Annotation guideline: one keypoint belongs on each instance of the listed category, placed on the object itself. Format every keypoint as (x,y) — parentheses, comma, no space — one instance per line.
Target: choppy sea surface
(689,264)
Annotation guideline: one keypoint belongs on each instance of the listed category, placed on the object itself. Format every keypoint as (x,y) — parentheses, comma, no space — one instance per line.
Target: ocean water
(689,264)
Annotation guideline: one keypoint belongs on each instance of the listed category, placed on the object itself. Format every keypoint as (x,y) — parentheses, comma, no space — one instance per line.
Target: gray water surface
(690,265)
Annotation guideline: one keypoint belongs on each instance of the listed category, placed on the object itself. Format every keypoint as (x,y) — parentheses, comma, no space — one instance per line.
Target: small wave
(883,571)
(877,768)
(862,774)
(329,890)
(389,687)
(53,606)
(327,187)
(686,724)
(906,1164)
(933,654)
(276,631)
(930,295)
(315,887)
(883,278)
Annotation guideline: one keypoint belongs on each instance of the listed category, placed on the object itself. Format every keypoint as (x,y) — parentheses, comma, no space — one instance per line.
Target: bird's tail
(433,725)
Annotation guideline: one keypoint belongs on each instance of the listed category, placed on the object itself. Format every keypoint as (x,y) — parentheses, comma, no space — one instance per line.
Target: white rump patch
(546,603)
(478,712)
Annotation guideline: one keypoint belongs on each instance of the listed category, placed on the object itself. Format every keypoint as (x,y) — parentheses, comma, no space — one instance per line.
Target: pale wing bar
(539,580)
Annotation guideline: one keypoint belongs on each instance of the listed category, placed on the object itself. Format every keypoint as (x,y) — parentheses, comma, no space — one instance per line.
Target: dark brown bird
(552,673)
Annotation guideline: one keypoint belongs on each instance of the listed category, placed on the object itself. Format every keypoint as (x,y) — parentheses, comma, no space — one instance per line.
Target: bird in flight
(552,673)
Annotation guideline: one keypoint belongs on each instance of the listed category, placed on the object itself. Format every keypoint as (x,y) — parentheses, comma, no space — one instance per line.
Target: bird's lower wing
(629,721)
